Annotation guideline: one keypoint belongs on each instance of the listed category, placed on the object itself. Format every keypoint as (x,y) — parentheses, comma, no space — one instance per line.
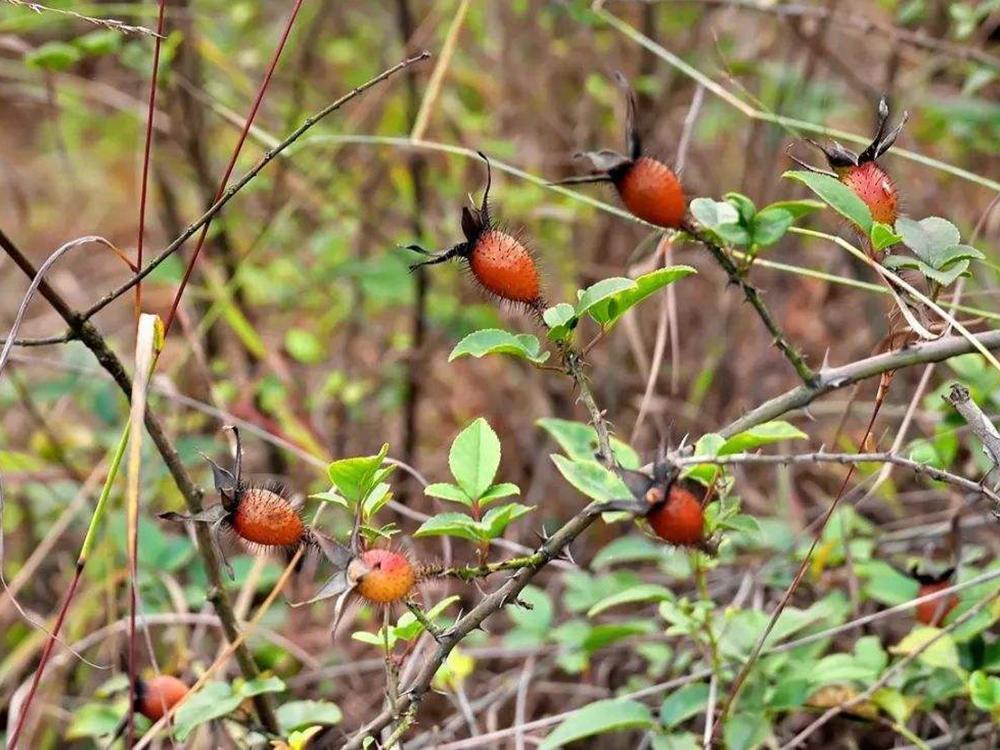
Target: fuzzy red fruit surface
(505,267)
(680,519)
(390,576)
(265,517)
(158,695)
(651,191)
(934,612)
(873,186)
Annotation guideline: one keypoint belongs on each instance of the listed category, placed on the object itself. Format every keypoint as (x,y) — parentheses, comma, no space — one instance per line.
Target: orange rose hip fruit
(388,576)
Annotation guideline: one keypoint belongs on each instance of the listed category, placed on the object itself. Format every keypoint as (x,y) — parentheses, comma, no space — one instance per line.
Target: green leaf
(496,520)
(599,291)
(474,458)
(648,592)
(93,720)
(355,477)
(762,434)
(882,236)
(599,718)
(893,703)
(769,226)
(55,56)
(498,492)
(579,440)
(745,731)
(497,341)
(941,653)
(928,238)
(984,690)
(744,206)
(683,704)
(592,479)
(559,315)
(609,309)
(711,213)
(625,550)
(258,686)
(213,701)
(449,492)
(959,252)
(450,524)
(798,208)
(839,197)
(884,584)
(561,320)
(946,278)
(301,714)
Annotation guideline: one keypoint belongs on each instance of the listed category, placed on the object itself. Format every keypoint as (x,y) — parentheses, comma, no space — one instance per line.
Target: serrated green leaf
(883,236)
(762,434)
(450,524)
(559,315)
(592,479)
(475,457)
(600,291)
(579,440)
(609,309)
(614,715)
(355,477)
(497,341)
(496,520)
(839,197)
(449,492)
(649,592)
(498,492)
(928,238)
(561,320)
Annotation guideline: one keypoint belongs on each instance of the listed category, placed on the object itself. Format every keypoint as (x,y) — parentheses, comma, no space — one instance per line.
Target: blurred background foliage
(302,317)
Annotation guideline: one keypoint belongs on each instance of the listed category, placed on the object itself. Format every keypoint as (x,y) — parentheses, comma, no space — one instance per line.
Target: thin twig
(108,23)
(960,398)
(844,458)
(753,297)
(241,183)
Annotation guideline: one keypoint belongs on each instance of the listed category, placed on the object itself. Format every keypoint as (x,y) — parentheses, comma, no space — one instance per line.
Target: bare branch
(830,379)
(983,428)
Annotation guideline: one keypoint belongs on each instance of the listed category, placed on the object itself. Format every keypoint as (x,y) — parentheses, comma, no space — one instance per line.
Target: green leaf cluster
(474,459)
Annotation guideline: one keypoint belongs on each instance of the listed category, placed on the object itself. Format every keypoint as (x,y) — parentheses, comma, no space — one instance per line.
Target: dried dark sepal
(839,157)
(926,578)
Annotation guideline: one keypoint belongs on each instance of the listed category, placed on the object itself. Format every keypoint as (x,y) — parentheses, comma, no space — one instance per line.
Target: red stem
(232,161)
(146,151)
(12,745)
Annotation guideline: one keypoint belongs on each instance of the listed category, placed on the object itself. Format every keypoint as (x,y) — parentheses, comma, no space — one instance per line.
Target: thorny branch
(829,379)
(192,494)
(508,591)
(753,297)
(979,423)
(844,458)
